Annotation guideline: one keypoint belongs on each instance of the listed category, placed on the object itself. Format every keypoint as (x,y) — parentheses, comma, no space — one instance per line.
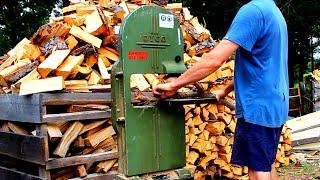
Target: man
(259,34)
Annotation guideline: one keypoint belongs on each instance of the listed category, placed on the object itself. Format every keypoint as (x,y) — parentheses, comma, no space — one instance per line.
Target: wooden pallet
(35,149)
(33,109)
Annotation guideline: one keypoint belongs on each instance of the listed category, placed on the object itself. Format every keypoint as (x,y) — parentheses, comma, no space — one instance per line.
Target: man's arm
(208,64)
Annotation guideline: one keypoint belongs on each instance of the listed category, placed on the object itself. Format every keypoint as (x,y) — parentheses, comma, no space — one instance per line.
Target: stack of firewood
(210,132)
(81,139)
(75,53)
(284,156)
(68,139)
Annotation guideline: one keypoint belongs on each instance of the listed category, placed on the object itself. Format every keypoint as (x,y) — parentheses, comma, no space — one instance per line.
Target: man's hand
(164,90)
(219,94)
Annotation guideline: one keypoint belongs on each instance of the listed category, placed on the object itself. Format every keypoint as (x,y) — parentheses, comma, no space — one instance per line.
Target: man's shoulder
(250,8)
(262,5)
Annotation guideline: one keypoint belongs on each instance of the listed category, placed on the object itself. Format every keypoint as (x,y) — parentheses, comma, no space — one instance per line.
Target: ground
(307,167)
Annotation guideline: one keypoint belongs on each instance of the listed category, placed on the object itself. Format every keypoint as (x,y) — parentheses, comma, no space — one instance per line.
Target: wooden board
(109,53)
(306,137)
(79,33)
(69,136)
(20,108)
(77,86)
(71,42)
(22,73)
(17,129)
(7,62)
(28,108)
(68,65)
(138,81)
(71,8)
(75,20)
(99,136)
(19,47)
(31,51)
(24,147)
(103,70)
(311,146)
(81,171)
(93,22)
(78,160)
(33,75)
(85,10)
(75,98)
(9,71)
(54,131)
(89,107)
(77,116)
(105,166)
(186,13)
(308,121)
(52,62)
(41,85)
(91,125)
(94,78)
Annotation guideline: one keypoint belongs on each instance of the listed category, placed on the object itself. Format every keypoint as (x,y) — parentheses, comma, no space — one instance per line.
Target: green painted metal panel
(150,138)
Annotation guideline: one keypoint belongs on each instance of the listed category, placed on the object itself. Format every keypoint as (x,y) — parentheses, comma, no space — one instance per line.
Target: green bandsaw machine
(150,138)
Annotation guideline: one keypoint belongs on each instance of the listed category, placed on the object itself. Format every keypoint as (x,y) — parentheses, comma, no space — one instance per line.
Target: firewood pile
(210,132)
(75,53)
(284,157)
(76,138)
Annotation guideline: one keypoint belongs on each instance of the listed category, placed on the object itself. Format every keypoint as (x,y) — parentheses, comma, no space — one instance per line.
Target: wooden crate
(33,109)
(35,149)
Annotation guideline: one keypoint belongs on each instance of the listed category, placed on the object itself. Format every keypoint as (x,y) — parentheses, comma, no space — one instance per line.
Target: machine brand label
(152,37)
(166,20)
(138,55)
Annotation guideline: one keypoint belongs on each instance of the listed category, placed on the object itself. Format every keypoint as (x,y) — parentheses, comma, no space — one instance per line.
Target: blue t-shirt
(261,70)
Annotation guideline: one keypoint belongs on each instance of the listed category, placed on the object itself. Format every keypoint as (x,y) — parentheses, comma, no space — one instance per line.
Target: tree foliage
(20,18)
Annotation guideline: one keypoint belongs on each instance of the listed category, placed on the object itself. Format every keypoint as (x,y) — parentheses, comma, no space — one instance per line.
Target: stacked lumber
(306,132)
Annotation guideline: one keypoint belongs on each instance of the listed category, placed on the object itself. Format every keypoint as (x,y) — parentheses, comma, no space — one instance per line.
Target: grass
(305,171)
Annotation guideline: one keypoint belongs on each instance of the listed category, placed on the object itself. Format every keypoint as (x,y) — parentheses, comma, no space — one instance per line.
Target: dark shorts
(255,146)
